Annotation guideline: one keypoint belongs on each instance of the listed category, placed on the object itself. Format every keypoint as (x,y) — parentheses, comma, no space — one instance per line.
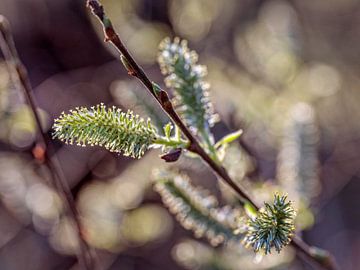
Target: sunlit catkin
(111,128)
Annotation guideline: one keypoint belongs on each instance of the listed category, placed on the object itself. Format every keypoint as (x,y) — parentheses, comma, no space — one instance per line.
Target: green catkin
(117,131)
(272,227)
(186,77)
(197,210)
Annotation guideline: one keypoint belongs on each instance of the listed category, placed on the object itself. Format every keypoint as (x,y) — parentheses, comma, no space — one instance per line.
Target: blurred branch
(20,76)
(161,96)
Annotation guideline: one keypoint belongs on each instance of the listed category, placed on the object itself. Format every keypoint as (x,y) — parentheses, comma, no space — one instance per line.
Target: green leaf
(229,138)
(127,65)
(250,210)
(167,130)
(156,88)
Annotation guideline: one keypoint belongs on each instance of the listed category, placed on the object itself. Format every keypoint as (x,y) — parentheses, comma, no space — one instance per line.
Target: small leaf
(167,130)
(127,65)
(229,138)
(250,210)
(156,88)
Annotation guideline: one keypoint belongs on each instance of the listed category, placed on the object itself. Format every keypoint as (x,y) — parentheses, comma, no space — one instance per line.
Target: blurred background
(286,72)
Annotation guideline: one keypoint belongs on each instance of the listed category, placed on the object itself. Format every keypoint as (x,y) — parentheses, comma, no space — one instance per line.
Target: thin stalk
(172,142)
(194,146)
(20,77)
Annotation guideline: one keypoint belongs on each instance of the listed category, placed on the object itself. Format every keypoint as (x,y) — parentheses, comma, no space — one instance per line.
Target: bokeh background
(281,70)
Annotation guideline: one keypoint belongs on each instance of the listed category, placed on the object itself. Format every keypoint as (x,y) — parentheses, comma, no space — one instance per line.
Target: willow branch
(161,96)
(20,77)
(163,99)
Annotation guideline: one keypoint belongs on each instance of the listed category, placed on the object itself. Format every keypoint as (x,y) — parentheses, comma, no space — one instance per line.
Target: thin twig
(163,99)
(20,76)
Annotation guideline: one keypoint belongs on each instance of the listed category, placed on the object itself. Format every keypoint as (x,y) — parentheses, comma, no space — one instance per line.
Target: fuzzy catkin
(272,227)
(197,210)
(111,128)
(186,77)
